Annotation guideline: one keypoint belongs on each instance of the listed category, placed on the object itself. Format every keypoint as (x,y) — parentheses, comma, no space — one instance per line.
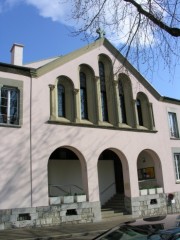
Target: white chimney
(17,54)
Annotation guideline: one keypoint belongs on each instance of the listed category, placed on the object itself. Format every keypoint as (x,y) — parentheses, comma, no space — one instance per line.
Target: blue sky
(45,32)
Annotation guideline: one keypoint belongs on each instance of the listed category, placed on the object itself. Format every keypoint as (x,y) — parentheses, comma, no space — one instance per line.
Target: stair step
(119,218)
(114,203)
(114,207)
(107,210)
(118,196)
(110,214)
(107,205)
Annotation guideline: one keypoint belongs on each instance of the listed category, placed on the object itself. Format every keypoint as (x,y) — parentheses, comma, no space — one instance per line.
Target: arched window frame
(144,111)
(83,95)
(104,107)
(63,100)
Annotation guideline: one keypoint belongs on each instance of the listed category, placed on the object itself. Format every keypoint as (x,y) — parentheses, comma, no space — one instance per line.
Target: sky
(44,30)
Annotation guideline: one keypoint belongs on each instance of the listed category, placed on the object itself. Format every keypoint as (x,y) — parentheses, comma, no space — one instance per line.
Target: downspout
(30,135)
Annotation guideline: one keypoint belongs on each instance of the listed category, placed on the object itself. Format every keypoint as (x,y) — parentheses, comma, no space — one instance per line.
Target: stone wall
(173,206)
(50,215)
(148,205)
(153,205)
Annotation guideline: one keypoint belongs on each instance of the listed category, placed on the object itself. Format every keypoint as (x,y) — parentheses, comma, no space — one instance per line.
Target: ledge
(174,138)
(10,125)
(108,127)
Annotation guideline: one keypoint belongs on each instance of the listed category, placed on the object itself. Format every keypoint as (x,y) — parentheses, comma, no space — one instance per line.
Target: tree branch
(175,32)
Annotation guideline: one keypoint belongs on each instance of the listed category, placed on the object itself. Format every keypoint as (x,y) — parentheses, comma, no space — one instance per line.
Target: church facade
(86,123)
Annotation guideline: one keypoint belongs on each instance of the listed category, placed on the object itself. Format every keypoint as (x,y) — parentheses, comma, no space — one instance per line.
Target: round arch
(113,174)
(87,68)
(63,79)
(108,101)
(149,169)
(88,93)
(144,110)
(67,172)
(105,58)
(68,98)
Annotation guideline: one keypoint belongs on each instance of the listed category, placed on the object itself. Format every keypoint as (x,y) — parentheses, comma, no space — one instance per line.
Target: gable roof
(100,42)
(52,63)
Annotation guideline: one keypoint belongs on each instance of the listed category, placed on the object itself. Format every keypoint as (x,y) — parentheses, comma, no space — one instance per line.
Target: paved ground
(63,231)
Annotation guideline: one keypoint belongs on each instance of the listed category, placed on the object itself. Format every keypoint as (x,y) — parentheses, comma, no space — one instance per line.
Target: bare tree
(146,31)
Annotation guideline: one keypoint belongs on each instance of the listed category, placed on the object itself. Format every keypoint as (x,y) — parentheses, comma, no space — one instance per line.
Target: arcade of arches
(67,172)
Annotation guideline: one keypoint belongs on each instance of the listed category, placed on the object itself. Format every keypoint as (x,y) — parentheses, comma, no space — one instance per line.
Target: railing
(107,193)
(107,188)
(68,189)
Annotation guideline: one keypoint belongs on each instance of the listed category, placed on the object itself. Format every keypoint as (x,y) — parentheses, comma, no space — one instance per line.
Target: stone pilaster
(117,104)
(77,105)
(98,103)
(52,102)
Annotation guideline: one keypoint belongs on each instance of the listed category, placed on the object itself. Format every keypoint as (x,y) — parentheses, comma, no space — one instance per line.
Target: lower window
(9,105)
(177,165)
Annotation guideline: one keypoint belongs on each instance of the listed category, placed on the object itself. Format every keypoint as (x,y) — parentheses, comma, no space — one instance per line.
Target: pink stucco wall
(88,143)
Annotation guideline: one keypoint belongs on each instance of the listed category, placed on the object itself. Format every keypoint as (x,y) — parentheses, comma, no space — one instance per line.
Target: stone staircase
(114,208)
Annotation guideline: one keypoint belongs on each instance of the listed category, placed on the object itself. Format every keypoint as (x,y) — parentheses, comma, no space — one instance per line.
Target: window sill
(174,138)
(10,125)
(177,181)
(100,125)
(60,119)
(105,124)
(123,125)
(142,127)
(83,121)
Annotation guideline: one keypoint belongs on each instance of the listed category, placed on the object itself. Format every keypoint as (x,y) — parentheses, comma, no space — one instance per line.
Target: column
(52,102)
(136,114)
(77,116)
(1,117)
(98,100)
(152,124)
(117,103)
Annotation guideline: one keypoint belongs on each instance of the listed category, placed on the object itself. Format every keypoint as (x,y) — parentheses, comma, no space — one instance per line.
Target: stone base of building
(50,215)
(153,205)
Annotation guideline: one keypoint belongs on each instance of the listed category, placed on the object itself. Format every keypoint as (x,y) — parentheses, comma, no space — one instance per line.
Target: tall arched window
(103,92)
(61,101)
(139,112)
(83,92)
(122,102)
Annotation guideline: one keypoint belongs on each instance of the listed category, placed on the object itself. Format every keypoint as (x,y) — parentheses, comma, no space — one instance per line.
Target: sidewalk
(61,231)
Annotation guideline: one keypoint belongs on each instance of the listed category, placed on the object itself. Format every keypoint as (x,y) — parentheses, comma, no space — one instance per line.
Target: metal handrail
(56,186)
(107,188)
(60,187)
